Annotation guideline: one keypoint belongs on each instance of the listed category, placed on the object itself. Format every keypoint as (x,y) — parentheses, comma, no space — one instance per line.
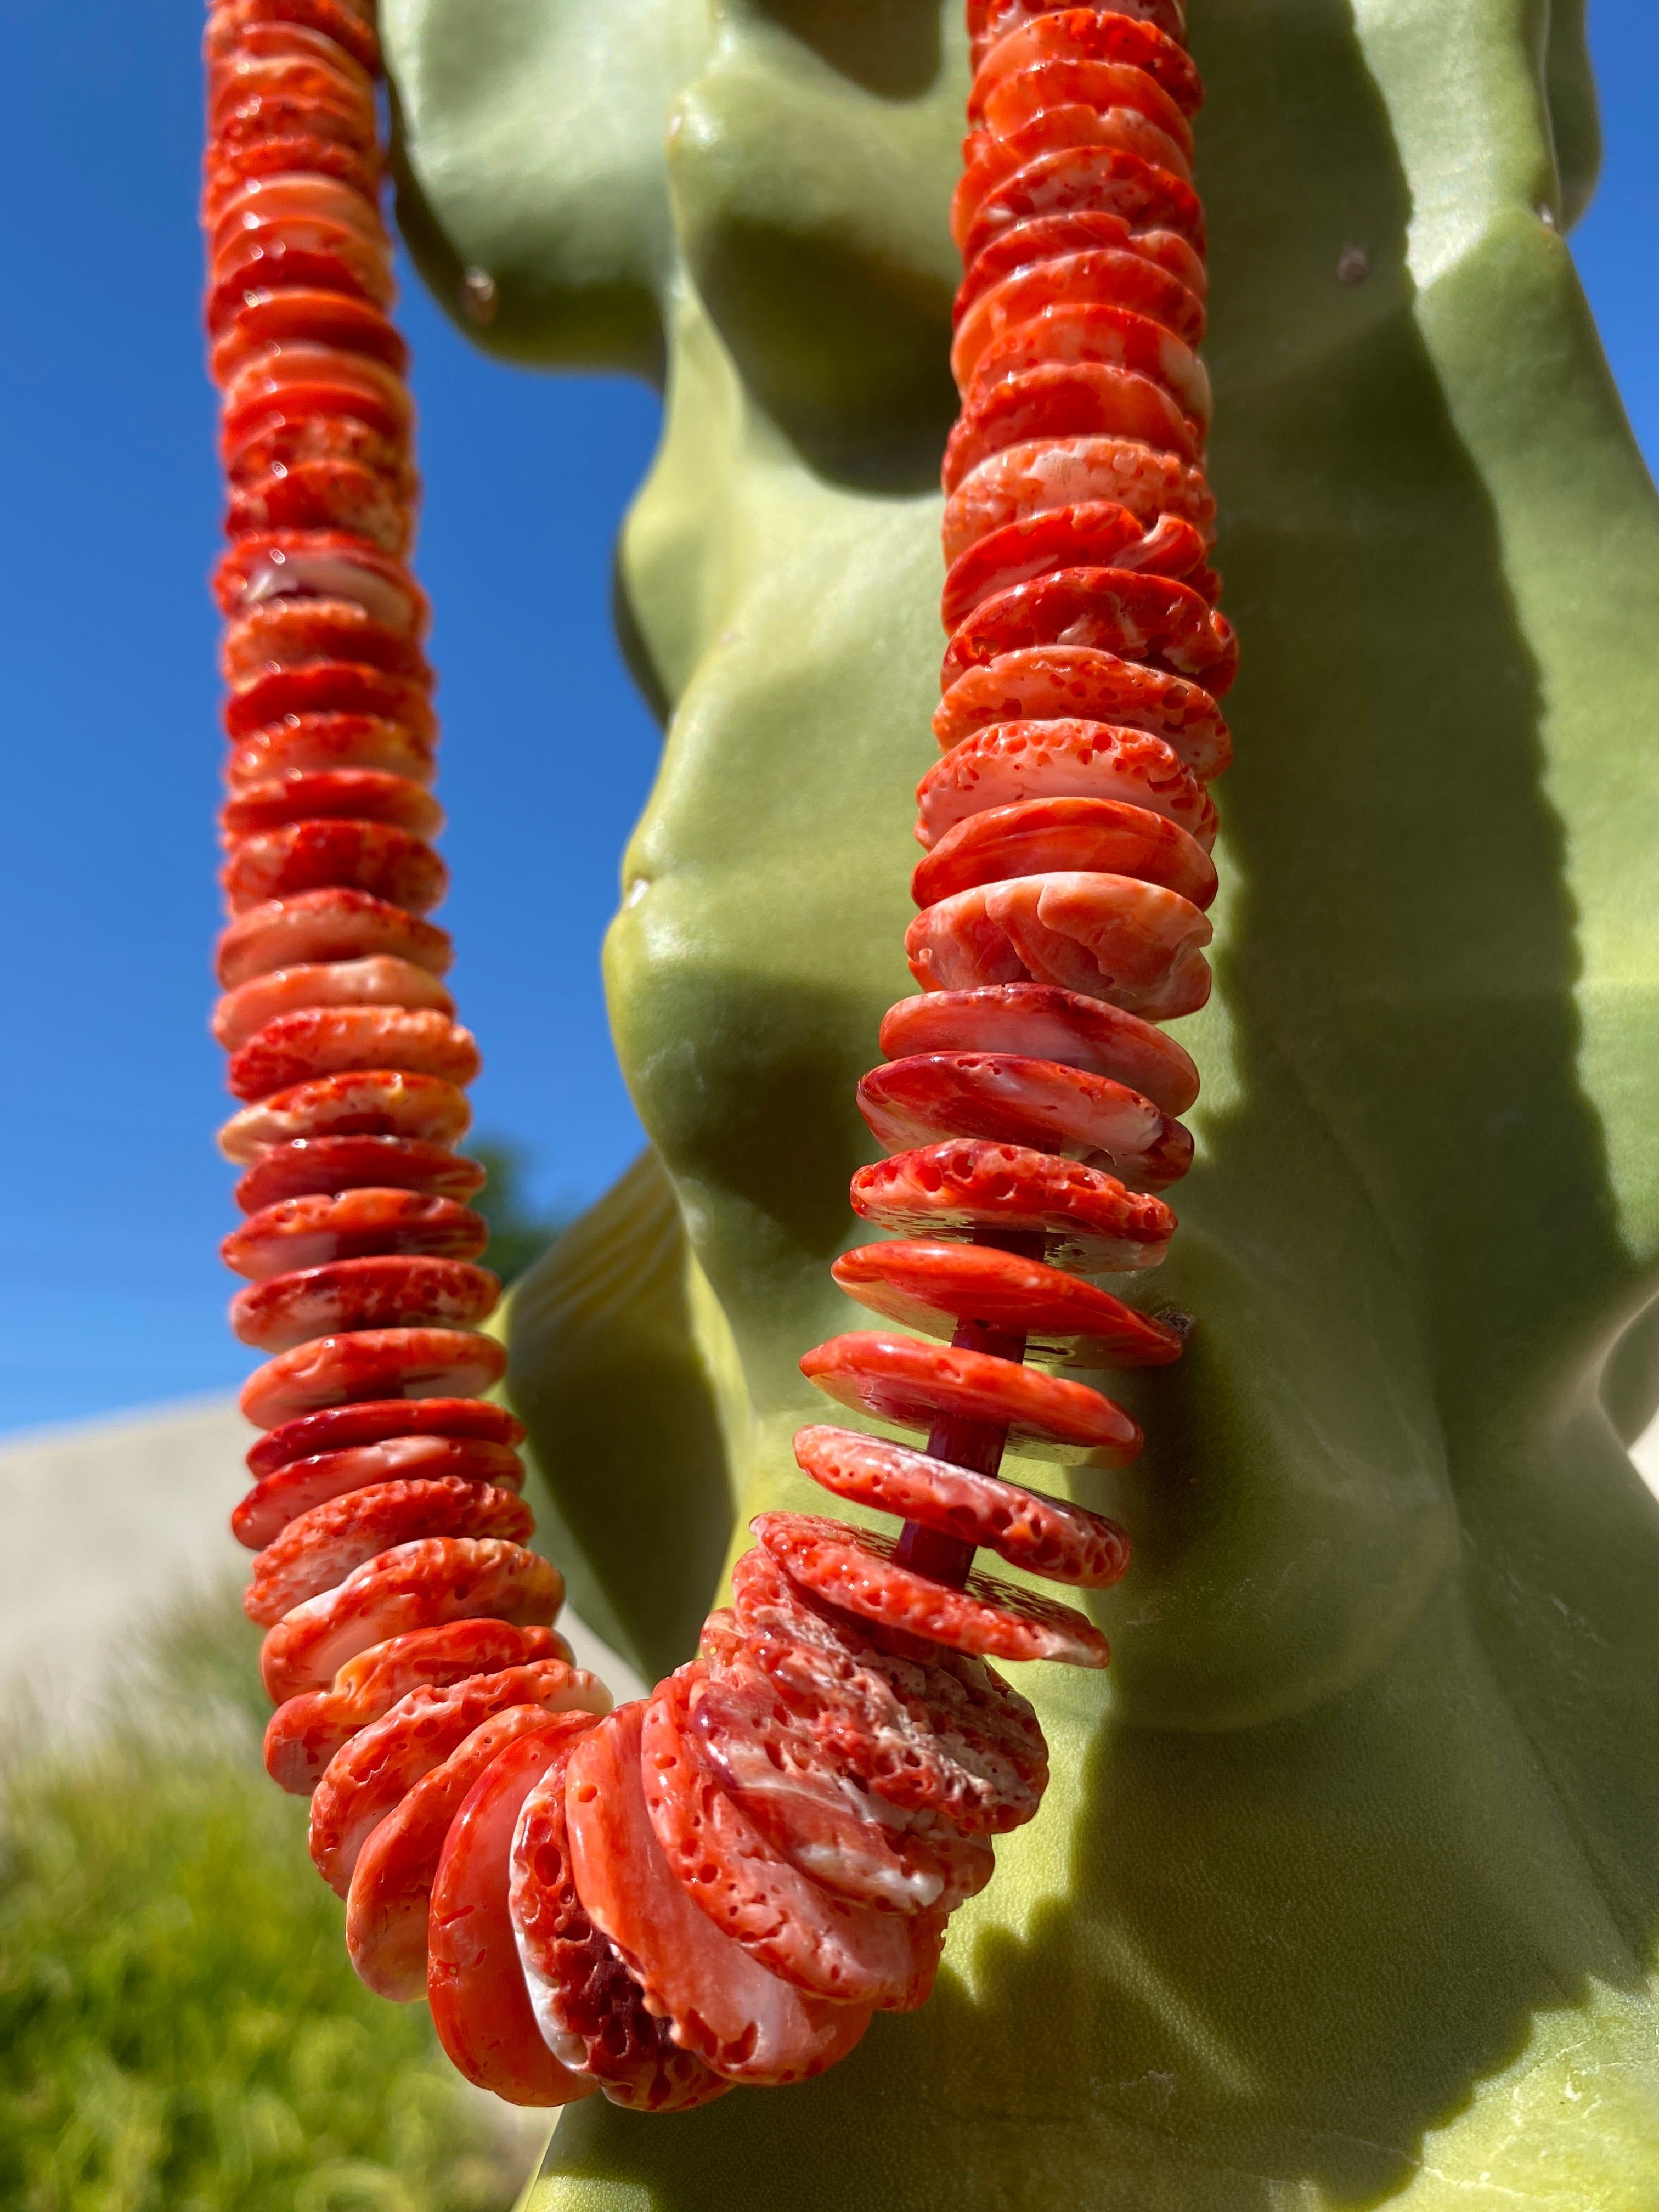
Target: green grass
(179,2027)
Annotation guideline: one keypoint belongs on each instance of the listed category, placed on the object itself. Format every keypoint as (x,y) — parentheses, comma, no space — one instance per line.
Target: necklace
(721,1883)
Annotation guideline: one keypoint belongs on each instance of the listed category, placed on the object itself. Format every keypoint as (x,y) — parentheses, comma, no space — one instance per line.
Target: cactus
(1345,1886)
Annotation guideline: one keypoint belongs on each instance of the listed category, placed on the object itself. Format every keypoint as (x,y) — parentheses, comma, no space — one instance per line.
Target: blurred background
(178,2024)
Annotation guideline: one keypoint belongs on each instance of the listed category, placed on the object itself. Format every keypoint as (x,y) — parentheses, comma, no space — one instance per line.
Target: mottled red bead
(329,687)
(1089,171)
(382,980)
(1104,936)
(363,794)
(335,1428)
(475,1985)
(302,573)
(1084,534)
(1009,35)
(1004,103)
(1084,686)
(378,1292)
(739,2018)
(1093,1224)
(1074,156)
(1143,617)
(389,1901)
(591,2011)
(263,318)
(373,1362)
(1066,399)
(1038,1021)
(348,24)
(332,922)
(306,1232)
(316,1042)
(849,1840)
(323,742)
(419,1585)
(375,857)
(316,1550)
(1047,1536)
(1039,1104)
(1044,837)
(856,1568)
(374,1102)
(306,1731)
(936,1288)
(1046,475)
(368,1777)
(825,1945)
(938,1732)
(1013,763)
(897,1379)
(282,1497)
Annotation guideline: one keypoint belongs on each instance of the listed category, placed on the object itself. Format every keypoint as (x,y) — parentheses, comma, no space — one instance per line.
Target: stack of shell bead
(1028,1097)
(772,1842)
(410,1646)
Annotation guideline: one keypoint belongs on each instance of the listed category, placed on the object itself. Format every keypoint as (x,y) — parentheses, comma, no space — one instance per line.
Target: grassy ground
(179,2028)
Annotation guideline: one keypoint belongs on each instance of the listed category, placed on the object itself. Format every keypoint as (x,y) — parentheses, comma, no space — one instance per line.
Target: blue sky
(110,1292)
